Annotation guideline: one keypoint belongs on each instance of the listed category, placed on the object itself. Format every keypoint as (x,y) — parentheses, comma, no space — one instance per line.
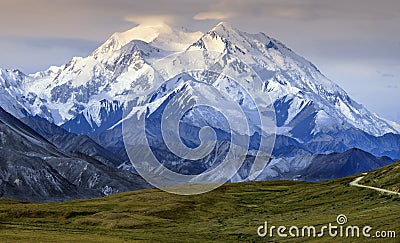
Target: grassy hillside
(387,177)
(229,214)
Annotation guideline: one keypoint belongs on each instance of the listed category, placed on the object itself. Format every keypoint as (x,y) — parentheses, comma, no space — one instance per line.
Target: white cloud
(151,19)
(212,15)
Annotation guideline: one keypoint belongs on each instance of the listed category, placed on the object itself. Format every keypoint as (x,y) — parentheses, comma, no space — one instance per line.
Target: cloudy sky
(355,43)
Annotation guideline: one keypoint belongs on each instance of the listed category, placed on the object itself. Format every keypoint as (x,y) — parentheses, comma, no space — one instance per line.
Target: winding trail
(355,183)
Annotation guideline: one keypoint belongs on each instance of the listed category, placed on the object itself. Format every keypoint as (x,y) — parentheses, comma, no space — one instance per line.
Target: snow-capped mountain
(83,83)
(159,35)
(12,95)
(295,84)
(88,94)
(80,87)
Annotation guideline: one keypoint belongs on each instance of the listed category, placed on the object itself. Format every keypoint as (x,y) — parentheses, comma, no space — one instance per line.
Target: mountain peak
(159,35)
(224,27)
(223,38)
(146,33)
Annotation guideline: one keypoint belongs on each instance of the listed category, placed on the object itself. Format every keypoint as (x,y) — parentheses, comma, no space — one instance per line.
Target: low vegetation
(229,214)
(387,178)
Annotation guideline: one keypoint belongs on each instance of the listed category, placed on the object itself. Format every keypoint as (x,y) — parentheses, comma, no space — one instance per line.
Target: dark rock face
(33,169)
(72,143)
(320,167)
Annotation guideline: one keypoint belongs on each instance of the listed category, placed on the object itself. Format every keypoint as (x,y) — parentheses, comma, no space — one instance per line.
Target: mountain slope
(11,91)
(387,177)
(72,143)
(32,169)
(321,167)
(25,172)
(354,161)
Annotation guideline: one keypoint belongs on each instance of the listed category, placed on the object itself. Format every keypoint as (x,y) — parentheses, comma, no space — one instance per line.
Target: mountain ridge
(256,45)
(33,169)
(88,95)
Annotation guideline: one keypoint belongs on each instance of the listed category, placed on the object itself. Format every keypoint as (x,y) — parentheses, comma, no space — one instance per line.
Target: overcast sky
(356,43)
